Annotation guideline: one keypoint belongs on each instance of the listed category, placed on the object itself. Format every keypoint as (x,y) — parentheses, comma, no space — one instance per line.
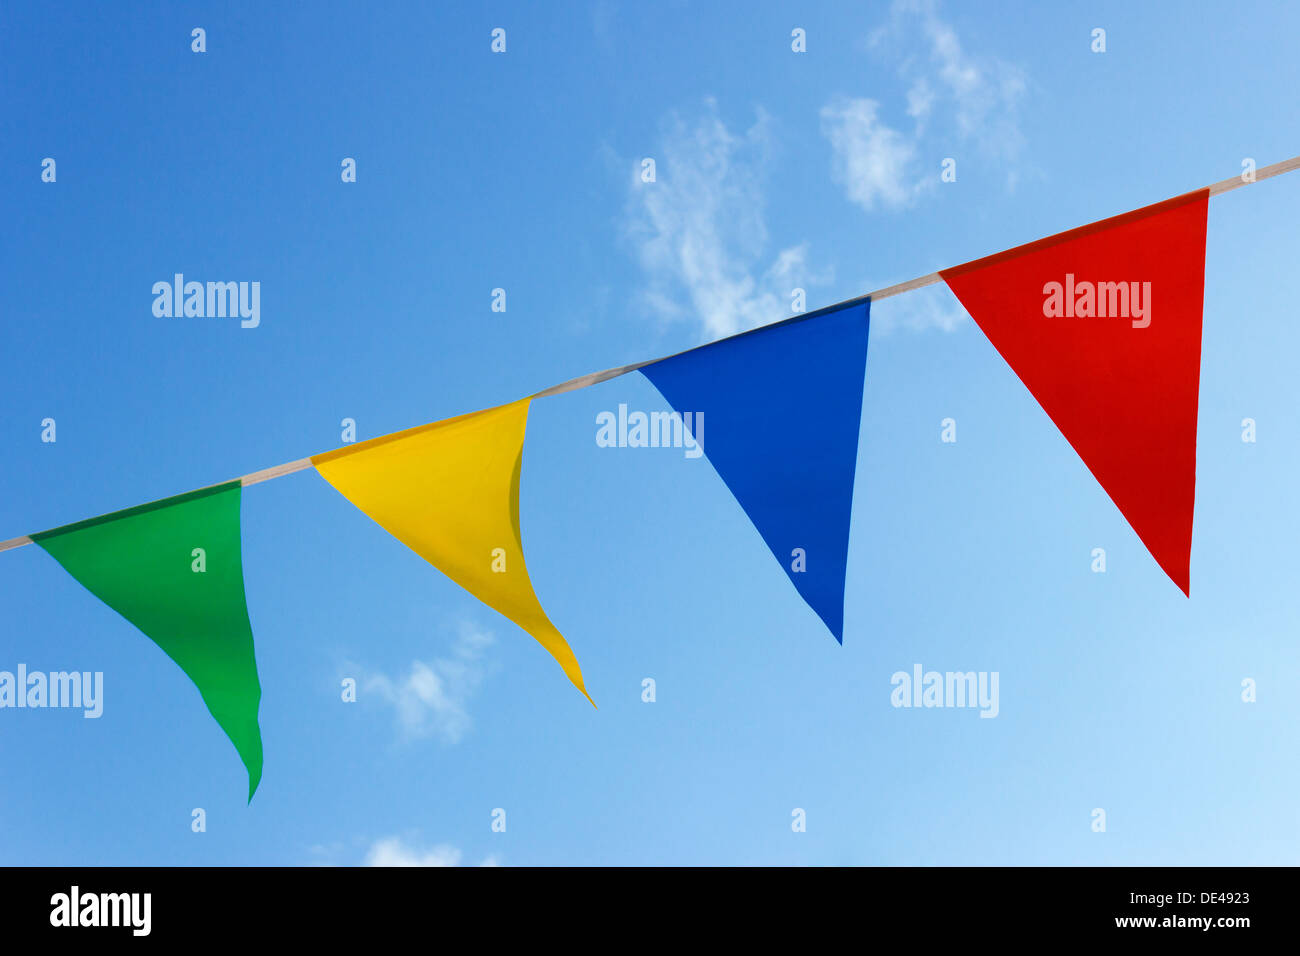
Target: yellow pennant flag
(449,491)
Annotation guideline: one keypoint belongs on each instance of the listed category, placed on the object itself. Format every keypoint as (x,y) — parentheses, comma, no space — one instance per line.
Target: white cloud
(982,94)
(431,699)
(392,851)
(920,100)
(986,92)
(877,164)
(871,160)
(700,231)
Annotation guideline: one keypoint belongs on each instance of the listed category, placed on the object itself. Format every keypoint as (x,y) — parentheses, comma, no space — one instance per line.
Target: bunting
(1102,324)
(174,569)
(783,406)
(449,491)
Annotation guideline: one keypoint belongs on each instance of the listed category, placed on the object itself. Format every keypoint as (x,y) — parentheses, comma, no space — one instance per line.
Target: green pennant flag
(174,569)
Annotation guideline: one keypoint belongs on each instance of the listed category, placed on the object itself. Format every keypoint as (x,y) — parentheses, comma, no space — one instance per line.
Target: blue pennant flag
(783,405)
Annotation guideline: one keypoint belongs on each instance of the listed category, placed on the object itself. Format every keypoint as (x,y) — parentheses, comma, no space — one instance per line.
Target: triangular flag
(174,569)
(782,406)
(1103,326)
(449,491)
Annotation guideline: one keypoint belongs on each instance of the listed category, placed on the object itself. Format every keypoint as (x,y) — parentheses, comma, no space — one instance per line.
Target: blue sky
(520,170)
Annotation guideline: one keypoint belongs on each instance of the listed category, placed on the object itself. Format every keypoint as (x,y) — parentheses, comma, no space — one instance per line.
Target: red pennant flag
(1103,325)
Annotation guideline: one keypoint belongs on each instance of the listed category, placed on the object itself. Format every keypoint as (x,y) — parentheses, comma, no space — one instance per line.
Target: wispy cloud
(431,698)
(873,162)
(976,98)
(700,230)
(985,91)
(393,851)
(980,94)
